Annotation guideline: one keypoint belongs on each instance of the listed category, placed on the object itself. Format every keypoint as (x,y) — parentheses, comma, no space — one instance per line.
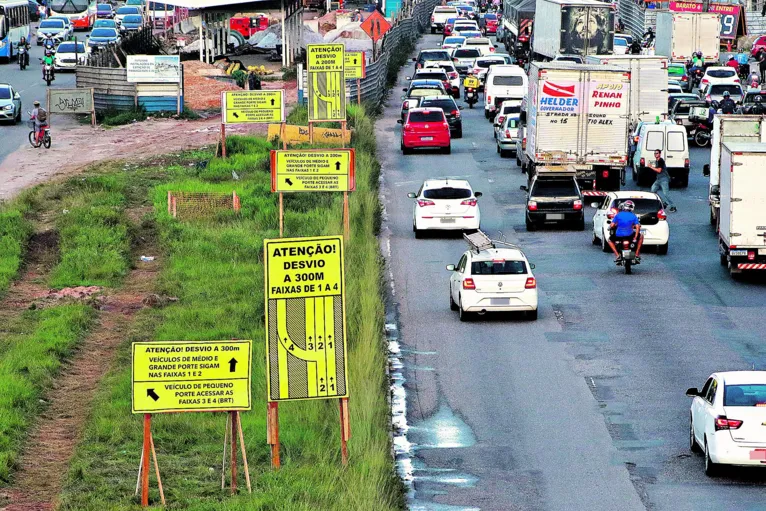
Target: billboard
(154,69)
(730,14)
(587,30)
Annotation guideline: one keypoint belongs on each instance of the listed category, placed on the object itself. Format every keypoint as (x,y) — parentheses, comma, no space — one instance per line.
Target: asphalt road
(583,409)
(32,87)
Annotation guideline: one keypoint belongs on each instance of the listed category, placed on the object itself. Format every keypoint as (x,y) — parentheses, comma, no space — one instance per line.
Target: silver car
(508,135)
(464,58)
(56,29)
(715,92)
(10,104)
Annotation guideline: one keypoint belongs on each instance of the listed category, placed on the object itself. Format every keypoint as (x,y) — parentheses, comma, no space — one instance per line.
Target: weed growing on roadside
(14,232)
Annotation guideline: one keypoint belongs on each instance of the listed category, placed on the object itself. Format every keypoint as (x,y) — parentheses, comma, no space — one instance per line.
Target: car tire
(518,160)
(452,305)
(711,468)
(531,226)
(595,240)
(604,245)
(724,260)
(463,315)
(459,133)
(448,149)
(684,181)
(18,116)
(433,31)
(504,153)
(531,315)
(579,225)
(693,445)
(662,249)
(486,114)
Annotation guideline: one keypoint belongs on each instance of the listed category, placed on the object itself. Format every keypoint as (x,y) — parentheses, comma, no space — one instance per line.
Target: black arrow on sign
(272,101)
(232,365)
(337,165)
(287,180)
(354,61)
(235,115)
(150,393)
(321,380)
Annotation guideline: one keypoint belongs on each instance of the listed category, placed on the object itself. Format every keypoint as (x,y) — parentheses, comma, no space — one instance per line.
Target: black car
(749,102)
(426,55)
(419,89)
(554,197)
(451,112)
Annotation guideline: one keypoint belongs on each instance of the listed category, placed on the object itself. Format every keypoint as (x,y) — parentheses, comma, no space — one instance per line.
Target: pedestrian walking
(661,185)
(762,64)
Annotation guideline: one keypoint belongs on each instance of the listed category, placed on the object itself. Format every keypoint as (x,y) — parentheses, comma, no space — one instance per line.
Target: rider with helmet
(626,227)
(732,62)
(757,108)
(728,106)
(23,43)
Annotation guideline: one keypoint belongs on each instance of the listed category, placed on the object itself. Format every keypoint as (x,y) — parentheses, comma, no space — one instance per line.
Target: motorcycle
(471,96)
(23,58)
(47,72)
(696,78)
(701,134)
(627,255)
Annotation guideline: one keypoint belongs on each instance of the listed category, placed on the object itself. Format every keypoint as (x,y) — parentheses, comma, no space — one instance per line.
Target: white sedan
(650,212)
(445,204)
(728,420)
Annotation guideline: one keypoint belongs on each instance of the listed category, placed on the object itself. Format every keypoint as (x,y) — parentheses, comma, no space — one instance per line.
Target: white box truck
(742,229)
(572,27)
(679,34)
(577,114)
(729,128)
(648,84)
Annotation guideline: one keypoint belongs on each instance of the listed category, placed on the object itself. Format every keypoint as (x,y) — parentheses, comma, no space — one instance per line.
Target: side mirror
(692,392)
(531,266)
(16,95)
(706,170)
(523,188)
(450,267)
(399,121)
(715,190)
(414,59)
(594,204)
(477,194)
(408,78)
(411,195)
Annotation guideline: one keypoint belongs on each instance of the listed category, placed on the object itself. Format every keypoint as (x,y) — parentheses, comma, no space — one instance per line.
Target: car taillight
(469,202)
(721,423)
(707,98)
(531,283)
(456,113)
(532,205)
(524,142)
(705,80)
(423,203)
(610,214)
(454,59)
(736,80)
(469,284)
(751,255)
(445,125)
(577,205)
(642,162)
(605,174)
(684,78)
(408,128)
(507,133)
(491,49)
(661,215)
(432,19)
(418,65)
(686,163)
(489,99)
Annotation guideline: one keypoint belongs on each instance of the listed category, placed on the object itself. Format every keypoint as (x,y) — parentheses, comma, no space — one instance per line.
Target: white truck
(440,16)
(577,114)
(648,84)
(572,27)
(680,34)
(729,128)
(742,229)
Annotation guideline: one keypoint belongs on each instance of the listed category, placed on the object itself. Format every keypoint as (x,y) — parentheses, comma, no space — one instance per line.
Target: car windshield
(52,24)
(5,93)
(447,193)
(744,395)
(724,87)
(103,32)
(134,18)
(619,41)
(476,43)
(467,53)
(498,267)
(69,6)
(447,105)
(676,71)
(433,116)
(490,17)
(433,55)
(69,48)
(721,73)
(511,109)
(454,40)
(555,188)
(643,206)
(508,80)
(576,60)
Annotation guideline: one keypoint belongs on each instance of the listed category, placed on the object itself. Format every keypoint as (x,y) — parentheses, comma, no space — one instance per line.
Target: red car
(425,127)
(759,45)
(448,27)
(490,23)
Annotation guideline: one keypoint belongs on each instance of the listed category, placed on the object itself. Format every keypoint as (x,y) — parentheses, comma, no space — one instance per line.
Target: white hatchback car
(445,204)
(718,74)
(728,420)
(483,44)
(491,279)
(650,212)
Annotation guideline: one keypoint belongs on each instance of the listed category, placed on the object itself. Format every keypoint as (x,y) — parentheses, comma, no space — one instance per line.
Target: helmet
(726,94)
(36,103)
(627,206)
(757,98)
(731,56)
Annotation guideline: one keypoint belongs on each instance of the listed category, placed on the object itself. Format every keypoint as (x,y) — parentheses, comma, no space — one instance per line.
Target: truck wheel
(724,260)
(486,113)
(712,217)
(518,161)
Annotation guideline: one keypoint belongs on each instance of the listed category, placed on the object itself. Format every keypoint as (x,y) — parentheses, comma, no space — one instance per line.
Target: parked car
(507,135)
(131,23)
(451,112)
(554,197)
(650,212)
(104,11)
(10,104)
(69,55)
(425,128)
(103,37)
(445,205)
(55,29)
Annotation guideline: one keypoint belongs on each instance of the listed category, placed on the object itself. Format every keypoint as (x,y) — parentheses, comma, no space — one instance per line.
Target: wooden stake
(145,460)
(345,430)
(93,105)
(283,135)
(346,219)
(169,200)
(311,132)
(244,454)
(272,433)
(281,216)
(138,477)
(358,91)
(223,461)
(233,438)
(223,141)
(157,470)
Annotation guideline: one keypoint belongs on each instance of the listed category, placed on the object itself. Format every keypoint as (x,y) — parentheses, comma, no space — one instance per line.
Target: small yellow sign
(313,170)
(324,57)
(305,318)
(354,65)
(191,376)
(300,135)
(253,106)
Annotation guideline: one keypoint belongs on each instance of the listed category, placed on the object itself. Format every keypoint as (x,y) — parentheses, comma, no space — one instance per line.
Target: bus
(81,13)
(14,24)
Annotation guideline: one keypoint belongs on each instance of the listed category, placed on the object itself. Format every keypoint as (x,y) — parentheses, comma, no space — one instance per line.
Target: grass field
(14,231)
(215,269)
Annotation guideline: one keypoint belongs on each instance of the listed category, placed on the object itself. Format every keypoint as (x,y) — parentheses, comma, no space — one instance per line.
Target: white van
(503,82)
(669,138)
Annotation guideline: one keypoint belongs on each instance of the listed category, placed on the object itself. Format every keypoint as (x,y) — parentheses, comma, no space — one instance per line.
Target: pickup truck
(440,16)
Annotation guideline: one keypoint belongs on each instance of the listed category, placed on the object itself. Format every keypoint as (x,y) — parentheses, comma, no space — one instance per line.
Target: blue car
(100,37)
(10,104)
(131,23)
(104,11)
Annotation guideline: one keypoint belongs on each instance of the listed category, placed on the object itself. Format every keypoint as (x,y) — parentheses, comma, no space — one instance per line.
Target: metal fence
(112,91)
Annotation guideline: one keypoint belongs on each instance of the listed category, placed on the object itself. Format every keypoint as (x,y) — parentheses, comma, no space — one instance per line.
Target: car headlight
(8,107)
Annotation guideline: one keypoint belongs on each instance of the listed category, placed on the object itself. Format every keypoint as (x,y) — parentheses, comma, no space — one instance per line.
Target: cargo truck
(518,21)
(742,229)
(577,114)
(729,128)
(680,34)
(572,27)
(648,84)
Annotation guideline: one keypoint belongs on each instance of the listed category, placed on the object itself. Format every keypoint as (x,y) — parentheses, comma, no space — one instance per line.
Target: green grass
(28,365)
(14,232)
(216,270)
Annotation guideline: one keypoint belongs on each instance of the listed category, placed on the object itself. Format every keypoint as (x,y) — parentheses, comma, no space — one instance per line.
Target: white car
(728,420)
(482,65)
(453,41)
(67,58)
(507,134)
(448,67)
(445,204)
(620,45)
(483,44)
(650,212)
(715,75)
(491,279)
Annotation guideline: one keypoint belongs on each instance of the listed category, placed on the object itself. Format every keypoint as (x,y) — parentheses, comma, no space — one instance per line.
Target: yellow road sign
(191,376)
(305,318)
(327,96)
(253,106)
(313,170)
(322,58)
(354,65)
(300,135)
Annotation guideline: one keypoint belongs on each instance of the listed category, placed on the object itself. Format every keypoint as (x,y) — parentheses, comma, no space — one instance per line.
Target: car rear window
(555,188)
(511,109)
(721,73)
(69,48)
(434,55)
(419,93)
(447,193)
(744,395)
(485,63)
(454,40)
(476,43)
(676,141)
(447,105)
(467,53)
(508,80)
(444,9)
(432,75)
(426,116)
(498,268)
(490,17)
(721,88)
(643,206)
(619,41)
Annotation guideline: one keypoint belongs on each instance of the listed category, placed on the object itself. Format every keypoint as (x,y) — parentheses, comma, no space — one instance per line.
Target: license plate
(554,216)
(426,139)
(643,231)
(447,220)
(499,301)
(470,94)
(738,252)
(626,253)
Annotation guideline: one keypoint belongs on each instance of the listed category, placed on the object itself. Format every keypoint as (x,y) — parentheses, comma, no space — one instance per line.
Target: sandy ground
(75,146)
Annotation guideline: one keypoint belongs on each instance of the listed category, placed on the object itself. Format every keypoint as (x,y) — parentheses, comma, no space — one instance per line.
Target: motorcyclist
(635,47)
(40,117)
(757,108)
(23,43)
(649,36)
(698,63)
(754,79)
(626,226)
(48,60)
(471,82)
(732,62)
(49,43)
(728,106)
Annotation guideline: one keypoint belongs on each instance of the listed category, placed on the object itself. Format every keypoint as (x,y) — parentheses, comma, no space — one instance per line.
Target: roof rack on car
(479,241)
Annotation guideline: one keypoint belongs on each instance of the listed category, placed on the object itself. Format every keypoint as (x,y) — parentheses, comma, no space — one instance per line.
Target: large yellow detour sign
(305,318)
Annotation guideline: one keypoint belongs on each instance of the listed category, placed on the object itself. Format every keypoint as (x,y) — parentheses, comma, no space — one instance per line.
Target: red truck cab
(249,26)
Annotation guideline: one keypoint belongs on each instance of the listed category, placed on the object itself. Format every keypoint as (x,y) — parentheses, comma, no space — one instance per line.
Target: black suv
(426,55)
(554,197)
(451,112)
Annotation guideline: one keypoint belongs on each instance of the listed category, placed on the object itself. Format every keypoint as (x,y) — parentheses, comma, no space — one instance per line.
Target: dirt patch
(42,254)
